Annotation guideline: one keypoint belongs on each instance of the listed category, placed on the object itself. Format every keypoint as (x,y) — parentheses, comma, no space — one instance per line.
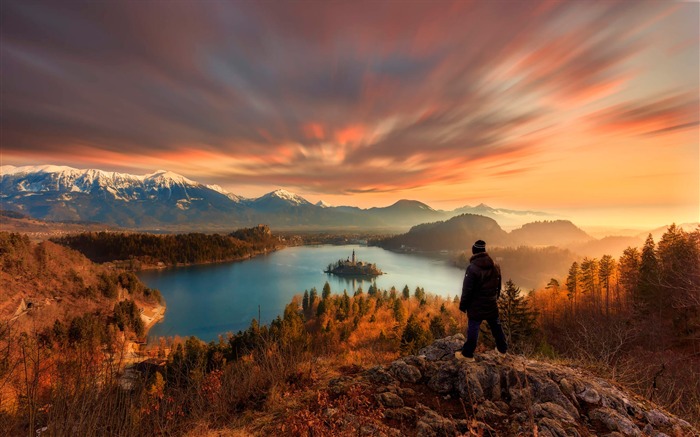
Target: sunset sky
(586,109)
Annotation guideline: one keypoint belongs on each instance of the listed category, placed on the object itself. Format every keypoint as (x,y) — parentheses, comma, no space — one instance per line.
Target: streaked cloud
(341,98)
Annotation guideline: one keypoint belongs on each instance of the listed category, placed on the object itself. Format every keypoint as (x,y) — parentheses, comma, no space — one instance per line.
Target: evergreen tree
(313,297)
(629,263)
(679,275)
(406,293)
(553,286)
(648,281)
(372,290)
(321,310)
(305,302)
(419,294)
(414,336)
(325,294)
(437,327)
(399,311)
(344,310)
(517,318)
(589,280)
(606,269)
(572,284)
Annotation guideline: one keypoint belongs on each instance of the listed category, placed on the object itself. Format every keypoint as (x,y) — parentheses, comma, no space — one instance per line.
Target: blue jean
(473,335)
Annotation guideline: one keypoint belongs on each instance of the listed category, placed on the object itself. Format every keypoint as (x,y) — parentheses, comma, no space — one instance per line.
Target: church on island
(353,267)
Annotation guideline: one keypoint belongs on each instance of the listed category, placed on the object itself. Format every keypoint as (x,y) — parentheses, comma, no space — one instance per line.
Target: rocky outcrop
(434,394)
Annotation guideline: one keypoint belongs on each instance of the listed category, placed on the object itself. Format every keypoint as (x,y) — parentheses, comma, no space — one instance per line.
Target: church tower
(353,257)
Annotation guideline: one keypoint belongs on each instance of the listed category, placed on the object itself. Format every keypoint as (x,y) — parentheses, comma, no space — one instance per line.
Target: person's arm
(500,282)
(467,287)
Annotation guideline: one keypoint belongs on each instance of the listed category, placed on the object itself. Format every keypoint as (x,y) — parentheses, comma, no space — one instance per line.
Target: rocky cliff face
(434,394)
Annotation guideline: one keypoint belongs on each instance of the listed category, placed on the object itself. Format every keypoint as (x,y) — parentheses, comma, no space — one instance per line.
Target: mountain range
(164,199)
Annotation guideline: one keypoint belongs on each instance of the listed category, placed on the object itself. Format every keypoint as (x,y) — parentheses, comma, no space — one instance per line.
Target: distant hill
(36,229)
(658,232)
(406,213)
(549,233)
(504,217)
(457,233)
(168,201)
(613,246)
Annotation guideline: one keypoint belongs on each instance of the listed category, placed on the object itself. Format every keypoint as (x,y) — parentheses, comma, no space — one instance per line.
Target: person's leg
(498,335)
(472,336)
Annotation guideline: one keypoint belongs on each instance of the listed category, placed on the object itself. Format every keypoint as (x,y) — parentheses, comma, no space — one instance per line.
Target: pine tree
(313,296)
(589,280)
(648,281)
(391,295)
(606,269)
(321,310)
(325,294)
(414,336)
(517,318)
(406,293)
(372,290)
(572,284)
(553,287)
(399,311)
(420,295)
(305,302)
(437,327)
(629,264)
(678,254)
(344,310)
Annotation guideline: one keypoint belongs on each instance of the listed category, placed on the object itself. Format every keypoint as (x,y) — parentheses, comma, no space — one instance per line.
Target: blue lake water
(213,299)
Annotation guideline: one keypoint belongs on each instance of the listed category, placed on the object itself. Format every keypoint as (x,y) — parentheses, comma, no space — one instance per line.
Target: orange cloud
(649,117)
(350,134)
(313,131)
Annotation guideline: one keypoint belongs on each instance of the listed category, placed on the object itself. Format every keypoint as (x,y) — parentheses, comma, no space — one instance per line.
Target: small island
(352,267)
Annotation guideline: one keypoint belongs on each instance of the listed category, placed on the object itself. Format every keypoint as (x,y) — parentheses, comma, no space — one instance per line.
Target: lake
(208,300)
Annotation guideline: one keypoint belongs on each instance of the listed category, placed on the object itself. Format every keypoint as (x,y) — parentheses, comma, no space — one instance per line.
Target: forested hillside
(171,249)
(453,234)
(57,283)
(60,312)
(548,233)
(636,317)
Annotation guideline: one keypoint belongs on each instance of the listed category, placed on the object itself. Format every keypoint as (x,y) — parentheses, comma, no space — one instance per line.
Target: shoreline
(149,267)
(150,321)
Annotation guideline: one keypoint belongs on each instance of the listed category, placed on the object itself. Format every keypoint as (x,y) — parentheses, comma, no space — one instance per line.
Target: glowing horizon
(585,110)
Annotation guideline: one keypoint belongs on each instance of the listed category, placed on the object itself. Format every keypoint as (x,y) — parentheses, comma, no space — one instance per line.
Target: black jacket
(481,288)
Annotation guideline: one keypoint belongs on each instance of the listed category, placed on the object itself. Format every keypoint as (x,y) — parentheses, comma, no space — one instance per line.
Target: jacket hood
(482,260)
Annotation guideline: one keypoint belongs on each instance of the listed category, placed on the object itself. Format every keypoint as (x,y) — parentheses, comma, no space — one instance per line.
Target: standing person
(480,292)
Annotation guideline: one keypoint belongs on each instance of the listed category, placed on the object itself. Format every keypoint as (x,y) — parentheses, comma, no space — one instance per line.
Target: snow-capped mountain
(123,186)
(236,198)
(167,199)
(281,197)
(65,193)
(323,204)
